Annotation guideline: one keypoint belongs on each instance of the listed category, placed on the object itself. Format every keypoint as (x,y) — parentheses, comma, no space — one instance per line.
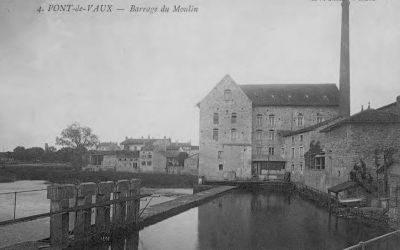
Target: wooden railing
(15,202)
(96,209)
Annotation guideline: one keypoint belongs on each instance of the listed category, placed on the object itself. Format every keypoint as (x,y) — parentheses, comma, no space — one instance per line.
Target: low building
(323,155)
(126,161)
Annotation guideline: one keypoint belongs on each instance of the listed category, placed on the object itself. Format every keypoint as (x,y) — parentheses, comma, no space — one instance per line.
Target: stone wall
(285,119)
(296,164)
(344,147)
(215,102)
(394,195)
(159,162)
(191,165)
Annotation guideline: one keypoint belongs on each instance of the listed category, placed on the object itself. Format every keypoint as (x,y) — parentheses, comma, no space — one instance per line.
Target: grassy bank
(66,174)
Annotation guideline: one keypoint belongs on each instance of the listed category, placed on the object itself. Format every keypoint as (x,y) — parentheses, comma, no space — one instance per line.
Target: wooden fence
(99,208)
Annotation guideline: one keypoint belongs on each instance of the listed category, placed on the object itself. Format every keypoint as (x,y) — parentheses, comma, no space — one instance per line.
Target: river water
(238,220)
(255,220)
(31,203)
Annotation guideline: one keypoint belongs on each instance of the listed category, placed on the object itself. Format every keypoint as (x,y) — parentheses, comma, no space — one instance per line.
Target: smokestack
(344,80)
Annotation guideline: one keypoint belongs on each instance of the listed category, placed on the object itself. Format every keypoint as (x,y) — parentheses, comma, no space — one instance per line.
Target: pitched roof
(174,154)
(343,186)
(387,106)
(178,145)
(292,94)
(131,141)
(366,117)
(121,153)
(286,133)
(148,147)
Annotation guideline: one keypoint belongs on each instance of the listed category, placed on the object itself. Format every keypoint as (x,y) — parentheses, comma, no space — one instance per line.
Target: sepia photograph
(200,124)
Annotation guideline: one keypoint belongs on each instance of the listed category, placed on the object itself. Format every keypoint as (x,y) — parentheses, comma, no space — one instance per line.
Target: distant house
(143,155)
(120,160)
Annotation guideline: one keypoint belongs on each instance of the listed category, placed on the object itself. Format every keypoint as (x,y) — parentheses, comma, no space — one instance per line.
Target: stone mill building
(262,131)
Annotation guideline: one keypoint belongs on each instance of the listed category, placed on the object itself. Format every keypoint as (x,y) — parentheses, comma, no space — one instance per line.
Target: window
(259,134)
(300,120)
(293,153)
(258,150)
(227,94)
(215,118)
(149,156)
(233,134)
(134,165)
(271,119)
(319,118)
(301,151)
(271,134)
(259,120)
(320,162)
(301,167)
(215,134)
(301,138)
(221,167)
(143,163)
(282,151)
(219,155)
(271,151)
(233,117)
(292,139)
(149,163)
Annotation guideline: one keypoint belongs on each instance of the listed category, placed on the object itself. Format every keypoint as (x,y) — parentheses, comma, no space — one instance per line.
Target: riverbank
(66,174)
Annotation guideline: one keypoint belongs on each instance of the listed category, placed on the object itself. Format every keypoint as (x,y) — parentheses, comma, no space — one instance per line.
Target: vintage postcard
(199,124)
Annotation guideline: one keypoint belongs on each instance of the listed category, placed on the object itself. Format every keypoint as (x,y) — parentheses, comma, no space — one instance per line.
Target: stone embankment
(168,209)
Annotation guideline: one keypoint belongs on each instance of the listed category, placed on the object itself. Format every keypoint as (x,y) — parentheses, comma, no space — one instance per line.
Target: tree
(79,139)
(77,136)
(19,153)
(34,154)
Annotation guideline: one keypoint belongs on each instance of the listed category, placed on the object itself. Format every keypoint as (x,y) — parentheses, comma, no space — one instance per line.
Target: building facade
(144,155)
(241,125)
(323,156)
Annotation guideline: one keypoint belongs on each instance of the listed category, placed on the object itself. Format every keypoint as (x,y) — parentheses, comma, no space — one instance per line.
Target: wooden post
(337,200)
(132,241)
(59,223)
(134,205)
(329,201)
(103,213)
(84,195)
(121,191)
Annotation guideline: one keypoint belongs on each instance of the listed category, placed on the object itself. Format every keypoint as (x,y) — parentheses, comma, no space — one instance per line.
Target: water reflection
(250,220)
(264,220)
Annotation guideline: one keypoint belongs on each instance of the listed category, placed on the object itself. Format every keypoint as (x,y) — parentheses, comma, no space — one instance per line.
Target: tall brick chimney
(344,80)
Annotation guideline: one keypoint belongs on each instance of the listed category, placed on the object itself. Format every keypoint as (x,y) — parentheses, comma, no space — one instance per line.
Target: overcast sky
(126,74)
